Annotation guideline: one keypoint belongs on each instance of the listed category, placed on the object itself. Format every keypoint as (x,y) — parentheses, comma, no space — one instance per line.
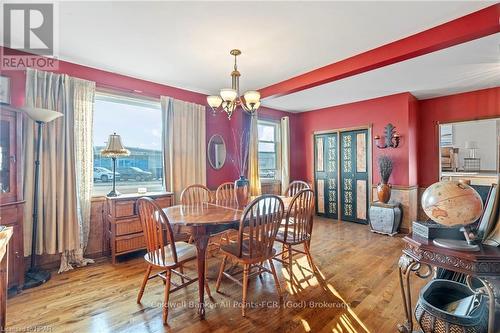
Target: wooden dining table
(205,219)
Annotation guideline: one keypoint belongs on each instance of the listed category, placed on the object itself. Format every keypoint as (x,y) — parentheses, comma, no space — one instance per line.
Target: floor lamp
(34,276)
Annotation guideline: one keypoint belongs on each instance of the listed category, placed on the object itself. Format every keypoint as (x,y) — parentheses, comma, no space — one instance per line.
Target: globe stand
(467,245)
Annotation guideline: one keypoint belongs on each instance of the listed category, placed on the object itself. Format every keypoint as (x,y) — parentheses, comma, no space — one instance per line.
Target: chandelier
(229,98)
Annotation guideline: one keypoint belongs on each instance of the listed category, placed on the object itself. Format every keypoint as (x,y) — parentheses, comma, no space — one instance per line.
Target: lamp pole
(113,192)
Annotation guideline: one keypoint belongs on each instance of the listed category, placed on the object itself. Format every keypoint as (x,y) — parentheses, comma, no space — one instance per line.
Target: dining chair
(196,193)
(163,252)
(262,217)
(225,192)
(295,187)
(297,229)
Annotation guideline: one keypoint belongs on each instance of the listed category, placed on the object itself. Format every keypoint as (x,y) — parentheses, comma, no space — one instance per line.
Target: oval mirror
(216,151)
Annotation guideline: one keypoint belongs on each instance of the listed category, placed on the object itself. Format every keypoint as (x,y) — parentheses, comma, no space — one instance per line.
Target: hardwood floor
(356,289)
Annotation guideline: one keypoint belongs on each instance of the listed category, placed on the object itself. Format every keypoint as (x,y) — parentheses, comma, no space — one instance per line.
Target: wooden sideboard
(123,226)
(11,191)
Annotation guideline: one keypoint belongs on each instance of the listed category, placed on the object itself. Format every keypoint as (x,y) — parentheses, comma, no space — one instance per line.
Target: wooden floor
(356,289)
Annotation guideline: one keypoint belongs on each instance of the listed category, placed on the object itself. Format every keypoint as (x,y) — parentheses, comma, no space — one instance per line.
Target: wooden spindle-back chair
(295,187)
(194,194)
(259,225)
(297,228)
(163,252)
(225,192)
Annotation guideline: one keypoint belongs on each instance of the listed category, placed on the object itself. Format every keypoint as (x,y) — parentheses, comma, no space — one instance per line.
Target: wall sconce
(391,138)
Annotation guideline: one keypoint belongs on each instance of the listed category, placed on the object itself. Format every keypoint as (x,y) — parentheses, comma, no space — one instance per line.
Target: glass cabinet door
(5,169)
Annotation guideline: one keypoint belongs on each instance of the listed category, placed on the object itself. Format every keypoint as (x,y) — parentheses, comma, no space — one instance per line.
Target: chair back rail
(225,192)
(295,187)
(194,194)
(262,218)
(299,216)
(154,224)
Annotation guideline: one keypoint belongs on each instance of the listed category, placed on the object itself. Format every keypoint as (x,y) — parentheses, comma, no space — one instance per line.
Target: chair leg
(181,270)
(275,276)
(309,257)
(221,273)
(290,263)
(245,287)
(144,282)
(167,295)
(283,252)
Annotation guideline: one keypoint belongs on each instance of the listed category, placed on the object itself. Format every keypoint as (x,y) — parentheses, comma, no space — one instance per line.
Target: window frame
(277,147)
(119,97)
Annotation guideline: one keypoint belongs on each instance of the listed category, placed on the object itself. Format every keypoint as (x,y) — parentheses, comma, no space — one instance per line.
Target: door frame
(369,160)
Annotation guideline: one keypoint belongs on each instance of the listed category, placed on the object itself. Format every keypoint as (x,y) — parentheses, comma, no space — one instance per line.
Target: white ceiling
(186,44)
(465,67)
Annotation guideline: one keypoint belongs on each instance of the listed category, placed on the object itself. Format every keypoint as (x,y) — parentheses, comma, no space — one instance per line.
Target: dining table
(205,219)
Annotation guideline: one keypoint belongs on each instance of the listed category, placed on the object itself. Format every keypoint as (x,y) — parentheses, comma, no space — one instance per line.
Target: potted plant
(241,185)
(384,188)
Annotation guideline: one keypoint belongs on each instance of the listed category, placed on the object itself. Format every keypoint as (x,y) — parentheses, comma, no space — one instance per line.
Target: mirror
(470,149)
(216,151)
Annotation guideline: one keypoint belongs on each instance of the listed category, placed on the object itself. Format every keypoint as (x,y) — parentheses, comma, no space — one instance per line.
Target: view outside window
(268,149)
(138,122)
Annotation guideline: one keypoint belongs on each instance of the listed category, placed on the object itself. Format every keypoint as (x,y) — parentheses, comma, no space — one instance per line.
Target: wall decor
(391,138)
(4,90)
(216,151)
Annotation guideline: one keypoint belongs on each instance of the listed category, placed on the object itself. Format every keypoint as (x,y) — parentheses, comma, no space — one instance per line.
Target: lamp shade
(214,101)
(228,95)
(115,147)
(41,115)
(471,145)
(252,97)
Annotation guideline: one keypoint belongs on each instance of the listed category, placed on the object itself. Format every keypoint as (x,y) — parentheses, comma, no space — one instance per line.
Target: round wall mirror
(216,151)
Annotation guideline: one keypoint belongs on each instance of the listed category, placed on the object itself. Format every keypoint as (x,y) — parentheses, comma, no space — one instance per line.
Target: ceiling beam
(464,29)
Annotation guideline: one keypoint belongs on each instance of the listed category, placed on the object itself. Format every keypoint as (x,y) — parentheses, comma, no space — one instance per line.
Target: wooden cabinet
(11,197)
(123,227)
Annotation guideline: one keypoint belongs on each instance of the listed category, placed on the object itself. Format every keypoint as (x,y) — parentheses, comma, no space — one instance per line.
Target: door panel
(354,175)
(326,174)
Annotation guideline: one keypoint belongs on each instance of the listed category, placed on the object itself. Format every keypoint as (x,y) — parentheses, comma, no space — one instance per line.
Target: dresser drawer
(8,215)
(125,208)
(129,243)
(164,202)
(130,226)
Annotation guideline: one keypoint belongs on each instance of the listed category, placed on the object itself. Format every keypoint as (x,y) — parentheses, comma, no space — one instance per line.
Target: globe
(452,203)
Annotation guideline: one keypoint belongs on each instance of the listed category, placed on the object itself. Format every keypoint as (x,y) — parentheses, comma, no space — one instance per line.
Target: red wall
(466,106)
(375,112)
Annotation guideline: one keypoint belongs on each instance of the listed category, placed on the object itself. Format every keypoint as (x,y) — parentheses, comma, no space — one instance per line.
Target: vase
(384,192)
(241,190)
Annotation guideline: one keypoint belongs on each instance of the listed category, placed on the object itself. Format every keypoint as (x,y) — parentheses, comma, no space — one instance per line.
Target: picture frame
(5,90)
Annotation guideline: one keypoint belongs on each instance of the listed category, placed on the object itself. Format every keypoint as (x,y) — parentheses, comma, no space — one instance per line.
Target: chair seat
(185,252)
(232,250)
(290,237)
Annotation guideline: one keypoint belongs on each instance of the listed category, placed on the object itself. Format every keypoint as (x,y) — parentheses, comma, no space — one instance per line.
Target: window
(138,122)
(269,156)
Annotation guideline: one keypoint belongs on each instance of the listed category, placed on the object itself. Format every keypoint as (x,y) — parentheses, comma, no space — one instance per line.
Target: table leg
(407,265)
(201,241)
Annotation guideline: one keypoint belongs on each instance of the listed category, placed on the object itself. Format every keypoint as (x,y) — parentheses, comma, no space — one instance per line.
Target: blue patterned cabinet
(385,218)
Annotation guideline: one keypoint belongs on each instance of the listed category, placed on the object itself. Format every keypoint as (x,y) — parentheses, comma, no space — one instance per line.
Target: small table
(206,219)
(385,218)
(484,265)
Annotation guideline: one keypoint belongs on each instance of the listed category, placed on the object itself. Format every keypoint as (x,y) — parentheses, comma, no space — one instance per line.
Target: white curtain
(64,196)
(253,157)
(285,152)
(184,148)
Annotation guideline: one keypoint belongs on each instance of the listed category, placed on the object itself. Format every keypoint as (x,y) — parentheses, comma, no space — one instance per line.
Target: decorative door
(354,175)
(326,174)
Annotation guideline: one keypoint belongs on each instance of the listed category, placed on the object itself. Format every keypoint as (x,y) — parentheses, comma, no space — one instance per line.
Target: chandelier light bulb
(214,101)
(228,95)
